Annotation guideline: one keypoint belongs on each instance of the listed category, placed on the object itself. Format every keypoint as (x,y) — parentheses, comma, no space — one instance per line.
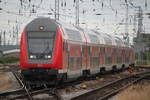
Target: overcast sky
(14,13)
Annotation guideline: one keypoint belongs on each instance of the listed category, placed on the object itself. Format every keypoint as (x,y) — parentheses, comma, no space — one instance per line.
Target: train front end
(41,51)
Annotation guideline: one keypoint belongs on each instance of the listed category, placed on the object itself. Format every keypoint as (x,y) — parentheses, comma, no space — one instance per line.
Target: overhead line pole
(140,21)
(4,35)
(126,26)
(77,12)
(56,9)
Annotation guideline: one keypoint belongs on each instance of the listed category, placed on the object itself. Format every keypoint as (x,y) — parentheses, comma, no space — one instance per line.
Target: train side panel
(23,52)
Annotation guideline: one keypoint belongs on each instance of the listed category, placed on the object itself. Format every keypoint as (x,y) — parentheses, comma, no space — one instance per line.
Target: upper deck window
(118,42)
(73,34)
(108,41)
(94,39)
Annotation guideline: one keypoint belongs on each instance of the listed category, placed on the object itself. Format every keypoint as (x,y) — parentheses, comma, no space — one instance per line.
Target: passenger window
(89,50)
(73,34)
(119,60)
(94,39)
(108,60)
(75,62)
(94,61)
(118,42)
(71,62)
(83,50)
(79,62)
(103,51)
(126,59)
(108,41)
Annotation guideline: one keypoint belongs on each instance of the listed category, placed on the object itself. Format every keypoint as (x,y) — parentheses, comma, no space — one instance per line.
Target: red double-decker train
(52,51)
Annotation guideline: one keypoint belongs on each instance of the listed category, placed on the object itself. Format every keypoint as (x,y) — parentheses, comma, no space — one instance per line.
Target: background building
(142,46)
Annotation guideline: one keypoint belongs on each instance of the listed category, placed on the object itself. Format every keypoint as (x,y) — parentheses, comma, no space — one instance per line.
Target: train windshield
(41,42)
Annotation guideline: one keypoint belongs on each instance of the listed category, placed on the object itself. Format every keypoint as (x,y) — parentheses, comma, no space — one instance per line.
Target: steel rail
(109,95)
(23,92)
(24,86)
(50,91)
(110,89)
(31,93)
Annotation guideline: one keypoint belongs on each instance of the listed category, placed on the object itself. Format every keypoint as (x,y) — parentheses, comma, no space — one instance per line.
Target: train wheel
(84,75)
(132,65)
(64,78)
(33,86)
(114,69)
(102,71)
(123,67)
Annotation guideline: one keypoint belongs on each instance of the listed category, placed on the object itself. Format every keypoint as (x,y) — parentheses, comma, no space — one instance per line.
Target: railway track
(9,68)
(110,89)
(102,92)
(25,92)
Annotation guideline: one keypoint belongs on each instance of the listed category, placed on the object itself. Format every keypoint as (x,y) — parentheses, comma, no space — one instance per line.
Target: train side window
(108,60)
(100,51)
(126,59)
(93,38)
(78,62)
(103,50)
(119,60)
(75,62)
(94,61)
(73,34)
(108,41)
(71,62)
(118,42)
(114,51)
(89,51)
(83,50)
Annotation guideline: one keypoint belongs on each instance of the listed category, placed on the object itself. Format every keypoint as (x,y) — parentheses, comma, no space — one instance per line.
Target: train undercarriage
(36,77)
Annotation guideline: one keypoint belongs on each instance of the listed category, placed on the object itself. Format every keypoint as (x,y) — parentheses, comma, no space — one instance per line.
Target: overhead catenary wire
(100,6)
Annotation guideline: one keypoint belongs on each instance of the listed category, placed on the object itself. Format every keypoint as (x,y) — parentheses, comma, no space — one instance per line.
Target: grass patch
(9,59)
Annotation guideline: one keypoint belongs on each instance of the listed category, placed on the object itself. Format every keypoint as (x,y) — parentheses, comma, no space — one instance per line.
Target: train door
(65,55)
(88,49)
(101,56)
(84,57)
(113,56)
(94,59)
(123,56)
(74,60)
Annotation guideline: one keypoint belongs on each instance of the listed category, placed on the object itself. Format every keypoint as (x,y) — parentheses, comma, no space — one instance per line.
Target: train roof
(76,33)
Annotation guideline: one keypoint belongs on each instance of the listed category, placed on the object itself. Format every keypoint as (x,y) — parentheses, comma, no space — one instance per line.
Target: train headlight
(32,56)
(49,56)
(41,27)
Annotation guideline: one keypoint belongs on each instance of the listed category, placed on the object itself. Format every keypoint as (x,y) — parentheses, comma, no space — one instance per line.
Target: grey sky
(113,12)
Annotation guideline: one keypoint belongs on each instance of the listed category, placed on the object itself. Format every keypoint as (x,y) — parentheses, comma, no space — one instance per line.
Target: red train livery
(52,51)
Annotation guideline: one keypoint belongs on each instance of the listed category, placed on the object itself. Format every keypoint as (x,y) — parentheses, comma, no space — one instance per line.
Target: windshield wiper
(47,48)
